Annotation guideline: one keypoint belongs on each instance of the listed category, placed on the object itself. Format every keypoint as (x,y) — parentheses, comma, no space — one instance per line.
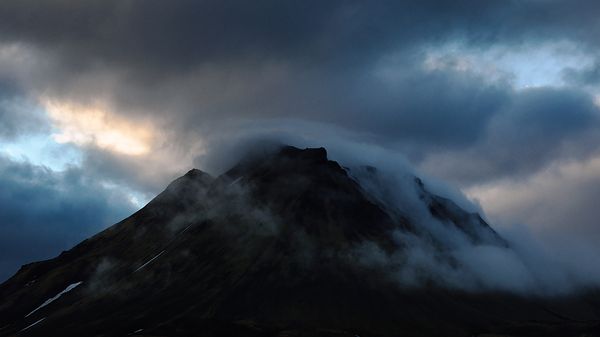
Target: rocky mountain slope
(273,247)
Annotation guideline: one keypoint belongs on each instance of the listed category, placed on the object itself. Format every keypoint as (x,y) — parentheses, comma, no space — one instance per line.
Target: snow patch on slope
(35,323)
(57,296)
(148,262)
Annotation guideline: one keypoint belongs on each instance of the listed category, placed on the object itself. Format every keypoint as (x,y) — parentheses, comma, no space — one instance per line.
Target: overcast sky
(103,102)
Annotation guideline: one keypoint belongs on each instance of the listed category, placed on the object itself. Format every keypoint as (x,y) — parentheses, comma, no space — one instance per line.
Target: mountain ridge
(270,247)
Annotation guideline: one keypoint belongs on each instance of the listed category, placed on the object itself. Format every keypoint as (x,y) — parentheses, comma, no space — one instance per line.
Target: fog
(436,253)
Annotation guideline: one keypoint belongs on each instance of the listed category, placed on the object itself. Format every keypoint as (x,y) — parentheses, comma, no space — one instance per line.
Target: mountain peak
(193,173)
(318,154)
(286,160)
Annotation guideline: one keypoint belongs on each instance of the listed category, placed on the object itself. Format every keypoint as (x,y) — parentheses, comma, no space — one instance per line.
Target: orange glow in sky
(85,125)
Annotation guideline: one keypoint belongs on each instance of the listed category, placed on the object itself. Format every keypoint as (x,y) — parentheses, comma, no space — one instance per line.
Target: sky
(102,103)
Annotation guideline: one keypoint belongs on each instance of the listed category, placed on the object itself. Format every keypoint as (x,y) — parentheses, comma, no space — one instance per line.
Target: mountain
(284,244)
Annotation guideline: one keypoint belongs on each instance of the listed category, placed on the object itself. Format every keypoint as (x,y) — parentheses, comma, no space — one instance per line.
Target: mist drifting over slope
(527,264)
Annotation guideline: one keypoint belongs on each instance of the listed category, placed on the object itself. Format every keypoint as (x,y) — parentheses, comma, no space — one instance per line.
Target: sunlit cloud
(95,125)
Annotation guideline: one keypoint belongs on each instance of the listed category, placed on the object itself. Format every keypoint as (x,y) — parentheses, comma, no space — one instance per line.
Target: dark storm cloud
(195,66)
(536,127)
(587,76)
(43,212)
(18,115)
(177,34)
(192,64)
(441,108)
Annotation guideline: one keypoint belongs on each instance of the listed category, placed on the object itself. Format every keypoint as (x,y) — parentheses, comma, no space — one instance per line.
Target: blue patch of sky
(41,149)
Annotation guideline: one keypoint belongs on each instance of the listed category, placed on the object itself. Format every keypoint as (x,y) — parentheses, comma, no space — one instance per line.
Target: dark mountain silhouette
(267,249)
